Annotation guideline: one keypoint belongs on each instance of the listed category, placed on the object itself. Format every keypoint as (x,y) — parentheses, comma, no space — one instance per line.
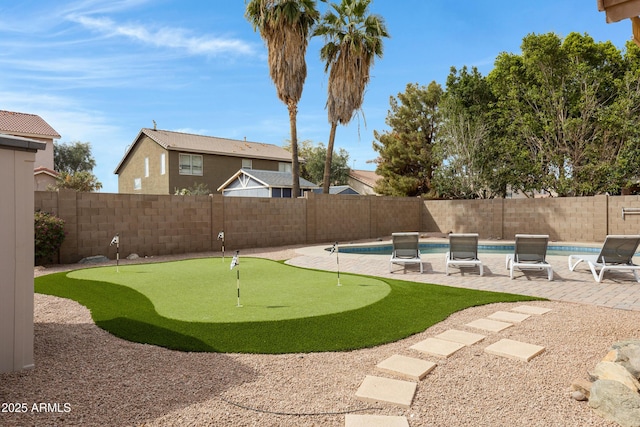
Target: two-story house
(33,127)
(161,161)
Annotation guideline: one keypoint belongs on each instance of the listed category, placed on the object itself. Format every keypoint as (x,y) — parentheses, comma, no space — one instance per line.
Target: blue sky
(100,70)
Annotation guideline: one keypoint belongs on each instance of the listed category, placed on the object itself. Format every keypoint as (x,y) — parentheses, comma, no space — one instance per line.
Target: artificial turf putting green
(406,309)
(205,290)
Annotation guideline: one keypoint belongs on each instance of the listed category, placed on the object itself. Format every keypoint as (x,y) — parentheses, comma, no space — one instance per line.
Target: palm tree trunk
(326,181)
(295,165)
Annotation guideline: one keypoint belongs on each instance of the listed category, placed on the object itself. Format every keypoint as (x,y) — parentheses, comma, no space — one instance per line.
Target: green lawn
(285,309)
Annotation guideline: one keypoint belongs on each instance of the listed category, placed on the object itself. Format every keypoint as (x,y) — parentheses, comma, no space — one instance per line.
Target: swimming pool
(441,248)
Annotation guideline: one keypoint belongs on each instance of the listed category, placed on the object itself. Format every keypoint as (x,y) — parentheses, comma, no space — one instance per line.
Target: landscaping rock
(628,355)
(98,259)
(616,372)
(582,386)
(133,256)
(614,401)
(579,396)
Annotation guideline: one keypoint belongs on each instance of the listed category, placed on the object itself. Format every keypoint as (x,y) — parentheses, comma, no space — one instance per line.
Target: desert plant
(48,234)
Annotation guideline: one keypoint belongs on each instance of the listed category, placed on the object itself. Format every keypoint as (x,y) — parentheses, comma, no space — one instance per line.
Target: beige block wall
(152,225)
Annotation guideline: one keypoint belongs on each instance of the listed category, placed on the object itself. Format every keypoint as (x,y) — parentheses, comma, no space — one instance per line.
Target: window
(146,167)
(137,184)
(162,164)
(284,167)
(190,164)
(247,164)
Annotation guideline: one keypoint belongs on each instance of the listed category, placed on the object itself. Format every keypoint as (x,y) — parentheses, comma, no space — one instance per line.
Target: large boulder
(616,372)
(628,355)
(616,402)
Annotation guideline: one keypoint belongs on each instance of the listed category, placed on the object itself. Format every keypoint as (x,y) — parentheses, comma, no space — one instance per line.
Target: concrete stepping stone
(409,367)
(437,347)
(354,420)
(462,337)
(514,350)
(489,325)
(508,316)
(385,390)
(529,309)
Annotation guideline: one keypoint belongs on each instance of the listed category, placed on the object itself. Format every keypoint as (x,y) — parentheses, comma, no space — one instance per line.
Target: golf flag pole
(116,241)
(235,262)
(336,249)
(221,237)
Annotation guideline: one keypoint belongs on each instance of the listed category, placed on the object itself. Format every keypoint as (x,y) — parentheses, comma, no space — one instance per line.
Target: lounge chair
(616,254)
(463,252)
(405,250)
(530,254)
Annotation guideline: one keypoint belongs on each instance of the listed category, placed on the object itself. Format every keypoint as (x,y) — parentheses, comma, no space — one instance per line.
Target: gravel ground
(98,379)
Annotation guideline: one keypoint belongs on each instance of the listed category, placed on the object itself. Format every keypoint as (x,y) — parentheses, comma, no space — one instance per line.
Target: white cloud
(174,38)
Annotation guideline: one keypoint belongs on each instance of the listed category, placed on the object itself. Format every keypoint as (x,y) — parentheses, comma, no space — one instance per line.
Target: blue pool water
(441,248)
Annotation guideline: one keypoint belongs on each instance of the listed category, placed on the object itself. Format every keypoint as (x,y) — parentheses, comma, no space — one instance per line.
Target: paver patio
(617,290)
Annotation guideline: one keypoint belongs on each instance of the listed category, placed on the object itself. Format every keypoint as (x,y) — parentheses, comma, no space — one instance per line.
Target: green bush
(49,234)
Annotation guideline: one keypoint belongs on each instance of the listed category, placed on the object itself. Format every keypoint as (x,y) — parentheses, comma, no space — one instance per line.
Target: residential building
(363,182)
(261,183)
(162,161)
(33,127)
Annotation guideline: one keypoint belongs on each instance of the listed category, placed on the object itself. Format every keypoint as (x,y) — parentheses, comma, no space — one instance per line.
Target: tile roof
(214,145)
(23,124)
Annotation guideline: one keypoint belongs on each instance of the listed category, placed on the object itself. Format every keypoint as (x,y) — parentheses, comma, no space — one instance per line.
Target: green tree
(406,161)
(558,101)
(353,39)
(313,167)
(464,148)
(73,157)
(285,26)
(74,163)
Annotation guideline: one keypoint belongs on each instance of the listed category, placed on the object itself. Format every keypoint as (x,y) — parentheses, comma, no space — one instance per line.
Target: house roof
(17,143)
(23,124)
(45,171)
(191,143)
(269,179)
(369,178)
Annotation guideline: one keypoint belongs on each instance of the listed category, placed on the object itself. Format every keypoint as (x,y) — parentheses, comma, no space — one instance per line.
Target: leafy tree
(464,148)
(82,181)
(558,101)
(74,163)
(73,157)
(353,39)
(285,26)
(406,161)
(313,167)
(198,189)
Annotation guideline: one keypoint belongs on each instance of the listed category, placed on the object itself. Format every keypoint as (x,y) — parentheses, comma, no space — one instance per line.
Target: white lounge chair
(530,253)
(616,254)
(405,250)
(463,252)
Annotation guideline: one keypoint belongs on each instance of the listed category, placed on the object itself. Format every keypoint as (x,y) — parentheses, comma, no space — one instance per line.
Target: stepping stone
(489,325)
(514,350)
(437,347)
(462,337)
(385,390)
(528,309)
(509,316)
(353,420)
(410,367)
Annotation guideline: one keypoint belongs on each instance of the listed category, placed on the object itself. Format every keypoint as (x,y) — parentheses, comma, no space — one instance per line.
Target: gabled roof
(23,124)
(201,144)
(269,179)
(45,171)
(369,178)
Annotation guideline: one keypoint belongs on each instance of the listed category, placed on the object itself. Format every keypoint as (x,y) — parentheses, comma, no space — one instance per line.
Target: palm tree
(353,39)
(285,26)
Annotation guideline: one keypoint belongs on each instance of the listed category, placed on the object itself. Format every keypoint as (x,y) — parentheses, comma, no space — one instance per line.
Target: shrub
(49,234)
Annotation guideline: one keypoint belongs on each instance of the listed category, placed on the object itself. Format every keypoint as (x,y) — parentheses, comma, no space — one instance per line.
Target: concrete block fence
(164,224)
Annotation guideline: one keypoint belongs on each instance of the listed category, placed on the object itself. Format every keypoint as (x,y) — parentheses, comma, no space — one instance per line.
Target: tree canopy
(561,117)
(74,163)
